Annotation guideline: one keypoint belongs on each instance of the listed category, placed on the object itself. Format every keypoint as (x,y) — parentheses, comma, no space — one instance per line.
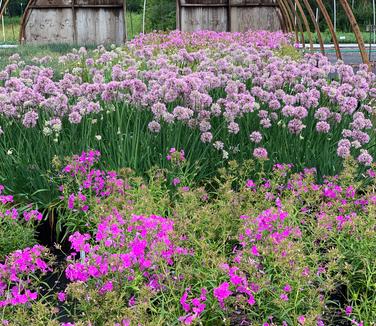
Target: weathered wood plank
(222,15)
(59,25)
(195,19)
(254,18)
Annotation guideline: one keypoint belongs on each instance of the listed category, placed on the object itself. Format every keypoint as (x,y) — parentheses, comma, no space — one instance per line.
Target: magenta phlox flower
(222,292)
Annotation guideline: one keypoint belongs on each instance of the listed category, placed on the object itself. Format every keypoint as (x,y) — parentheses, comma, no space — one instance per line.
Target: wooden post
(286,14)
(229,15)
(74,22)
(315,23)
(356,30)
(143,18)
(297,19)
(282,19)
(3,7)
(125,20)
(306,24)
(177,15)
(331,28)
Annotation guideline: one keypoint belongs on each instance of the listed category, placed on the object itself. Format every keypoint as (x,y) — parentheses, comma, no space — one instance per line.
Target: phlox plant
(17,225)
(219,96)
(83,187)
(276,249)
(283,261)
(88,192)
(20,278)
(126,257)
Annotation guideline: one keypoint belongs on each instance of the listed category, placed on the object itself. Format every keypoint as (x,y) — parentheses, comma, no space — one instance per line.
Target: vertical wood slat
(317,27)
(228,15)
(331,28)
(356,30)
(74,22)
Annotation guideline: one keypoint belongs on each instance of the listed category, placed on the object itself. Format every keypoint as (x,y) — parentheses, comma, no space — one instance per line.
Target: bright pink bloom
(222,292)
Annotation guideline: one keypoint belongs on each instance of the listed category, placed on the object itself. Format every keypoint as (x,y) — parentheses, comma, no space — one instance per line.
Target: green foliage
(327,267)
(134,5)
(37,314)
(161,15)
(134,24)
(362,10)
(15,235)
(289,51)
(343,38)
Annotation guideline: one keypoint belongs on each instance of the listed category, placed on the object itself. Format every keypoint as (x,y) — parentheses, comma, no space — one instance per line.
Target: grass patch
(343,37)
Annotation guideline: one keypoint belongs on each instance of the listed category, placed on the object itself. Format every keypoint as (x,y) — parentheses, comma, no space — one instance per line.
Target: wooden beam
(331,28)
(356,30)
(305,22)
(317,27)
(229,15)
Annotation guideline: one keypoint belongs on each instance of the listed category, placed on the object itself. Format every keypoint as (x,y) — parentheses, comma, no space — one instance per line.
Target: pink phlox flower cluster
(5,199)
(222,292)
(93,184)
(121,247)
(13,213)
(16,275)
(193,307)
(176,156)
(82,164)
(33,215)
(240,285)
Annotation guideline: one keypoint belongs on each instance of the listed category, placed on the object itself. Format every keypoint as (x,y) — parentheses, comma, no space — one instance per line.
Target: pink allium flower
(206,137)
(322,114)
(348,310)
(255,137)
(323,127)
(343,151)
(30,119)
(205,126)
(154,126)
(233,128)
(260,153)
(295,126)
(265,123)
(365,158)
(75,118)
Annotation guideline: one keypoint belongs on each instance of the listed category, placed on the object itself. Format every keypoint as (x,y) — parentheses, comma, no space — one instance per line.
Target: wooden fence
(73,21)
(228,15)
